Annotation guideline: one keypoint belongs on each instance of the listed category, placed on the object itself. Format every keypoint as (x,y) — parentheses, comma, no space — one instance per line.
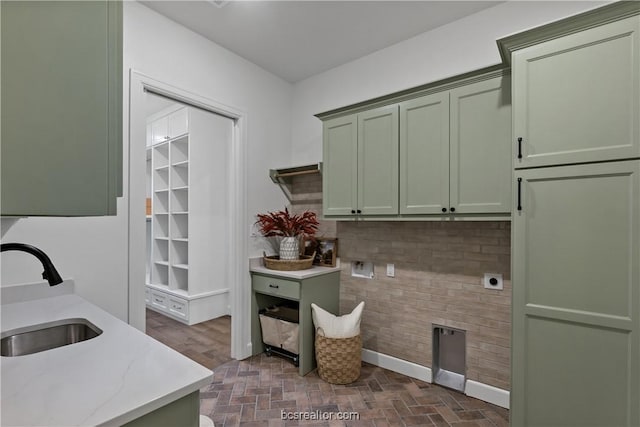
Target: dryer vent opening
(449,357)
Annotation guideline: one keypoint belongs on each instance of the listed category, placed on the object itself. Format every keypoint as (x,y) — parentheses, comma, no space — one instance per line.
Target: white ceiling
(298,39)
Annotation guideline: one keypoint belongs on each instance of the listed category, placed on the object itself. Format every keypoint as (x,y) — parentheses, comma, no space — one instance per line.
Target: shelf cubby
(160,250)
(180,150)
(179,278)
(180,200)
(180,252)
(160,201)
(180,175)
(160,226)
(160,156)
(179,226)
(160,274)
(161,179)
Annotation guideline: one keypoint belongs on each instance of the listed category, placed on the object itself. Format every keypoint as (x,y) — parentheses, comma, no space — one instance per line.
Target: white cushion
(331,326)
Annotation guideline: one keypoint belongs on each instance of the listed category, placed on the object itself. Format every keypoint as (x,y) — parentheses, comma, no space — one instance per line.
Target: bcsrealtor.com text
(318,415)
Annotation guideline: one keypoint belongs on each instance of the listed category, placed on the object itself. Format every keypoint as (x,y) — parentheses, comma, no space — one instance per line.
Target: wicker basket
(339,359)
(275,263)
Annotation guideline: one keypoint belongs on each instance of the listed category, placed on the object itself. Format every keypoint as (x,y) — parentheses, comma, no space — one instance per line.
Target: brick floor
(256,392)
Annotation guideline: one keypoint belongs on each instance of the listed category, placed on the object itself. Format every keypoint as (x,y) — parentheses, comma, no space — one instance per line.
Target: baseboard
(400,366)
(474,389)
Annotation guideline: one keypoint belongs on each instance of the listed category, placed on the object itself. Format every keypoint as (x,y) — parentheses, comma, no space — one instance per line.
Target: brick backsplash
(439,268)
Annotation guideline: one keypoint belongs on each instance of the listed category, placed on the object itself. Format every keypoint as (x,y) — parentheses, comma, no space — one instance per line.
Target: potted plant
(290,227)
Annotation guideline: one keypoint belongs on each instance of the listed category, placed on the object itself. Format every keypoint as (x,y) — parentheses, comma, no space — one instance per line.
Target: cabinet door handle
(519,194)
(359,211)
(519,147)
(444,209)
(452,209)
(353,211)
(273,286)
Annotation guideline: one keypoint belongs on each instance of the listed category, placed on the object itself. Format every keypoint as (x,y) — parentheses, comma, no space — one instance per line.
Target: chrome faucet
(50,274)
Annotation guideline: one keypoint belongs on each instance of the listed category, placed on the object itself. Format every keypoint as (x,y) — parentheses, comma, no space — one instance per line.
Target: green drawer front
(279,287)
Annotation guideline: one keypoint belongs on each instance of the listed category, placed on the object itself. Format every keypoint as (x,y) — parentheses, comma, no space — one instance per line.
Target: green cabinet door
(480,147)
(61,108)
(340,166)
(577,98)
(424,155)
(378,161)
(576,292)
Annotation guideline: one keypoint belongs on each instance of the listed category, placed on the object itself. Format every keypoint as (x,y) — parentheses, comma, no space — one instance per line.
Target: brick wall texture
(439,269)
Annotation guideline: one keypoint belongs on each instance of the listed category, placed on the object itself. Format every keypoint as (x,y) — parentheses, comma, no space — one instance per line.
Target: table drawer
(278,287)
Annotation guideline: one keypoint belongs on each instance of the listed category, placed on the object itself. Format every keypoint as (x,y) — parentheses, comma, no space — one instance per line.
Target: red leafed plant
(281,223)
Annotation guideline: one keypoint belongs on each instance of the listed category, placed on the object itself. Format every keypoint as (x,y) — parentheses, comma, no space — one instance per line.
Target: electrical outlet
(493,281)
(391,270)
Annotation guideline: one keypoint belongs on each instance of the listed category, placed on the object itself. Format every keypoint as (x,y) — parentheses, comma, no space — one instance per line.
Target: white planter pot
(289,248)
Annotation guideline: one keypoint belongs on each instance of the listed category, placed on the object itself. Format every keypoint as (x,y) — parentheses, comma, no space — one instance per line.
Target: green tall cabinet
(576,221)
(61,107)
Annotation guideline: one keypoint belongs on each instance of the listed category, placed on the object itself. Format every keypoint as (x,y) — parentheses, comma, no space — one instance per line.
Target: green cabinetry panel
(378,161)
(455,150)
(576,294)
(340,166)
(480,150)
(424,155)
(360,164)
(61,107)
(577,98)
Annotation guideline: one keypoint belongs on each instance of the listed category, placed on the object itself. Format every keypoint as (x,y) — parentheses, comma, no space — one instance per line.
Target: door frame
(239,294)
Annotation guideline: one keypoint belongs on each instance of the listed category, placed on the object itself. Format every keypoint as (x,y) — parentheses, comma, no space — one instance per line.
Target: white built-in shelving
(181,283)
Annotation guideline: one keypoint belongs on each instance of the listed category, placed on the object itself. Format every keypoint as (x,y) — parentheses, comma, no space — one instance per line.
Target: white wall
(93,251)
(462,46)
(168,52)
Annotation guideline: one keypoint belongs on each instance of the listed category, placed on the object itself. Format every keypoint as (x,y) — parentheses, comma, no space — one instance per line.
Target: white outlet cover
(391,270)
(496,283)
(362,269)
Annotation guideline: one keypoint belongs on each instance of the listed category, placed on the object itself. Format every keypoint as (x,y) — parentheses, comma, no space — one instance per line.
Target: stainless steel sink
(37,338)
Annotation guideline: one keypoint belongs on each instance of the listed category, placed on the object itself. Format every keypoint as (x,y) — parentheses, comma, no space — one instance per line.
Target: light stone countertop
(256,265)
(109,380)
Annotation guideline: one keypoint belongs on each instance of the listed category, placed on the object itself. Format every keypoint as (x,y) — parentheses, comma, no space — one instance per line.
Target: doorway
(187,184)
(166,257)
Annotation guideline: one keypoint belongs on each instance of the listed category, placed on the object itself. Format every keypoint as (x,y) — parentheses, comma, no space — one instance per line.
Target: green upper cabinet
(340,166)
(378,161)
(455,150)
(480,149)
(360,164)
(424,155)
(61,108)
(446,152)
(577,97)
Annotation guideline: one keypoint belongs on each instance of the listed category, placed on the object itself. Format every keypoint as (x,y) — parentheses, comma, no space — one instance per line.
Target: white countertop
(256,265)
(109,380)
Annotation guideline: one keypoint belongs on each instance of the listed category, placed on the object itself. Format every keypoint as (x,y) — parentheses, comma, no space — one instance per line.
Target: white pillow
(345,326)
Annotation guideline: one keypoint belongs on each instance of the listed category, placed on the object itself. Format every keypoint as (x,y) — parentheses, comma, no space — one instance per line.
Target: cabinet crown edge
(573,24)
(418,91)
